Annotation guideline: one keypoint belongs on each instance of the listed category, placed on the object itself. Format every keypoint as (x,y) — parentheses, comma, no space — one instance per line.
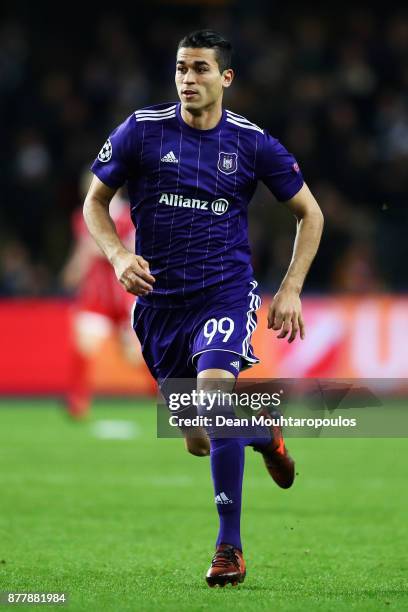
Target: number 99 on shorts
(223,326)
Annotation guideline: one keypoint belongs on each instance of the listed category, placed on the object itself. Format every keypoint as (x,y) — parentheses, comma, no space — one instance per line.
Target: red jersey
(99,290)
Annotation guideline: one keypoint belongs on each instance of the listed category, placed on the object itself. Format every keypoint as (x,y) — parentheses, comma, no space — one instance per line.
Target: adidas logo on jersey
(235,364)
(221,498)
(170,158)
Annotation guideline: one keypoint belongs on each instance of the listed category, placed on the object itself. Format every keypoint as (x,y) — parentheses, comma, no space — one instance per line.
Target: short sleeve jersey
(189,192)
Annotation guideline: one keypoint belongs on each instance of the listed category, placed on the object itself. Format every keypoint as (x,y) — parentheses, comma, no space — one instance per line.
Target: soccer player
(101,305)
(191,169)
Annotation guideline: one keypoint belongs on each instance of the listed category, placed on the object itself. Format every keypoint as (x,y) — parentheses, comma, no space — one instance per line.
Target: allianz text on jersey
(218,206)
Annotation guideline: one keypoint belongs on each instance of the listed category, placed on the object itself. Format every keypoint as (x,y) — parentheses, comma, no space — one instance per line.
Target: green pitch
(129,523)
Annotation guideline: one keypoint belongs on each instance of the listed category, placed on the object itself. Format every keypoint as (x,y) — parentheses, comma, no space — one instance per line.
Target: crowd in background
(332,87)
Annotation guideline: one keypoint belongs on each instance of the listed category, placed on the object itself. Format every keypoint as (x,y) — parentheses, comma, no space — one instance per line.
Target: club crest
(227,162)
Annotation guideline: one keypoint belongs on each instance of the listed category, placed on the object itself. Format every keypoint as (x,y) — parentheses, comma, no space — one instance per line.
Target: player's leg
(89,330)
(278,462)
(227,461)
(228,325)
(164,341)
(227,455)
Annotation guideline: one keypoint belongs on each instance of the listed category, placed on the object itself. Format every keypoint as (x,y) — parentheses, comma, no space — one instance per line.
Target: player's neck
(205,119)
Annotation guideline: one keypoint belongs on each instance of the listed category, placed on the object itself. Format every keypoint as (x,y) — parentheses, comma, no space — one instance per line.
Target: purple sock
(227,455)
(227,468)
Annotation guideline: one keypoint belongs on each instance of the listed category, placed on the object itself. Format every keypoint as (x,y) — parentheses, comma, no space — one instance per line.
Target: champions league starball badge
(227,162)
(106,152)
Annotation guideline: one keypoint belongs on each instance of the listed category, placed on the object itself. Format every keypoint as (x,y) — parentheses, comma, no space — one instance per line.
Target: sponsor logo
(218,207)
(105,153)
(235,364)
(172,199)
(227,162)
(170,158)
(221,498)
(295,167)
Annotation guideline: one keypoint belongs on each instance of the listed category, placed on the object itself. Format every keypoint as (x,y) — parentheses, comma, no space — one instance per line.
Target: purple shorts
(173,339)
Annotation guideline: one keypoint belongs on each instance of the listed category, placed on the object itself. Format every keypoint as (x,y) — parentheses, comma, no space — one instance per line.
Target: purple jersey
(189,191)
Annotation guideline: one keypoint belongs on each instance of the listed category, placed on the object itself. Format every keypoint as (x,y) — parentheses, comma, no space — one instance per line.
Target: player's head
(203,69)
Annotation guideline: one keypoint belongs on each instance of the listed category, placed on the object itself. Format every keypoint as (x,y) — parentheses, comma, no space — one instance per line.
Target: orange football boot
(227,567)
(278,462)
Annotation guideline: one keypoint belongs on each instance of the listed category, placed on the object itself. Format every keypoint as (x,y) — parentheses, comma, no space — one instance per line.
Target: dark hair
(209,39)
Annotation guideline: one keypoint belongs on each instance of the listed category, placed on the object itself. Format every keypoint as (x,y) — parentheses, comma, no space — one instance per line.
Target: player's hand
(133,273)
(285,314)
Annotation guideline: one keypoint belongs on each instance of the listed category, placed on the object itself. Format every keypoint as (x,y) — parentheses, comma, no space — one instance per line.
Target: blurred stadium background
(331,85)
(104,510)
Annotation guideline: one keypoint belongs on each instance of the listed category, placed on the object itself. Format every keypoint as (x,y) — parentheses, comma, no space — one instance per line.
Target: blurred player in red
(102,306)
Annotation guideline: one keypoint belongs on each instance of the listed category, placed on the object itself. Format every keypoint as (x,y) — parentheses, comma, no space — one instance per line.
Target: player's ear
(227,77)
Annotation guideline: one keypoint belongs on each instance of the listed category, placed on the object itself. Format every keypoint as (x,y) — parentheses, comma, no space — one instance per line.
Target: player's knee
(199,447)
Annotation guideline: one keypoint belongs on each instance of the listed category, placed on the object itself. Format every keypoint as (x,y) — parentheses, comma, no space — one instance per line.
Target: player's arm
(285,312)
(131,270)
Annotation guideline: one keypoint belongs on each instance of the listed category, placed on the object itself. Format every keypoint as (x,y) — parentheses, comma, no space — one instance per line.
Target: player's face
(198,79)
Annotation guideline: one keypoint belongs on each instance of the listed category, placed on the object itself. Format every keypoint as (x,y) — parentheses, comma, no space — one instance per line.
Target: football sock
(227,448)
(227,469)
(227,456)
